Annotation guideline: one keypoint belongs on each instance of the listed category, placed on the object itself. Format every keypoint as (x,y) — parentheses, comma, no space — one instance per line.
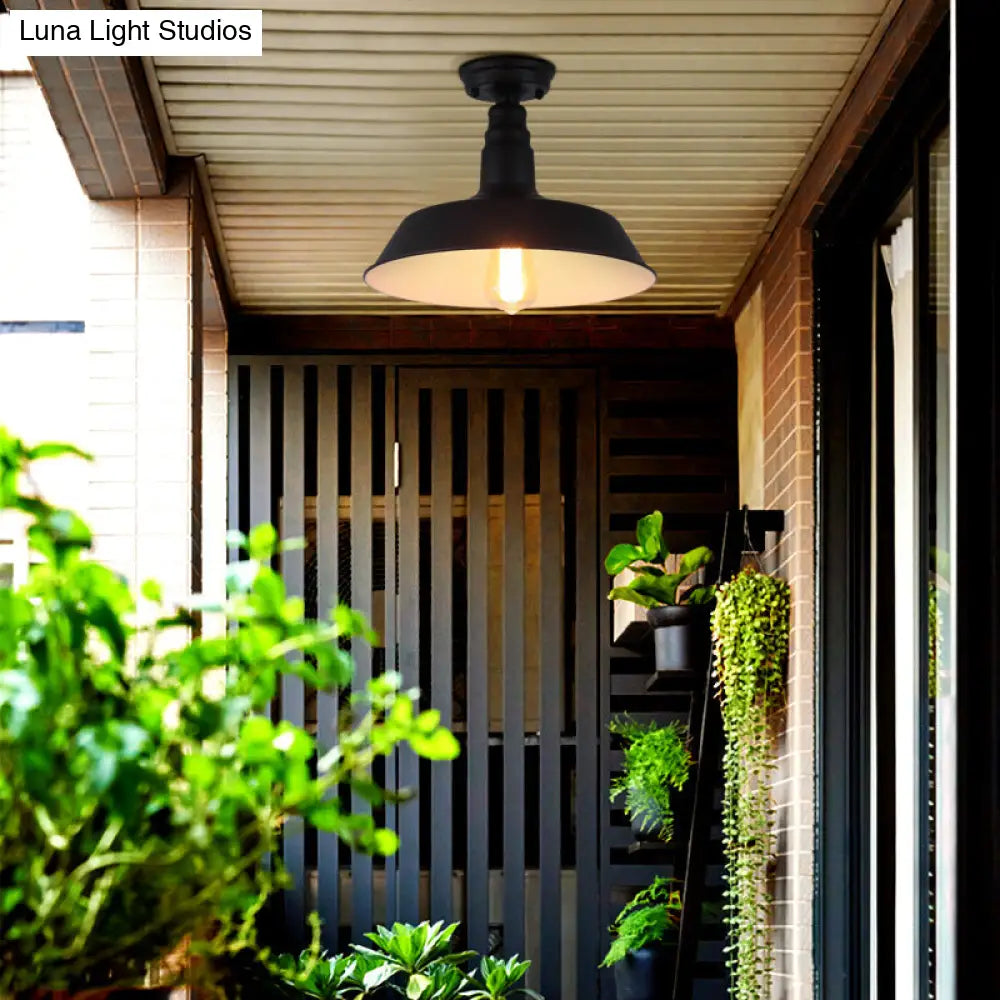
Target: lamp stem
(508,162)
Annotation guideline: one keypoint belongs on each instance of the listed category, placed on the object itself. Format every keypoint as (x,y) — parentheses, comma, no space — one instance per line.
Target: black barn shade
(508,247)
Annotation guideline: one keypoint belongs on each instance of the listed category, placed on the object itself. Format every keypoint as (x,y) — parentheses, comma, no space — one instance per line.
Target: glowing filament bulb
(511,279)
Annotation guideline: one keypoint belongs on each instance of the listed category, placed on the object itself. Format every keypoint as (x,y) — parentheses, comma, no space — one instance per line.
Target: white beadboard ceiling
(687,119)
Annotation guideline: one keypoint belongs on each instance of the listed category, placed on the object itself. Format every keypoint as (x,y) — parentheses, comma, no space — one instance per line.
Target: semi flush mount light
(508,247)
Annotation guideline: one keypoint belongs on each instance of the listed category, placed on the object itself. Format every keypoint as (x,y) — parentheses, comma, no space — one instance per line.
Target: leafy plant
(439,981)
(750,625)
(653,586)
(325,977)
(412,948)
(415,961)
(499,978)
(656,761)
(646,919)
(142,781)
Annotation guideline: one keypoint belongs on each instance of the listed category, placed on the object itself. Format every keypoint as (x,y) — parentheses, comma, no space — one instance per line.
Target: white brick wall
(139,391)
(215,407)
(122,390)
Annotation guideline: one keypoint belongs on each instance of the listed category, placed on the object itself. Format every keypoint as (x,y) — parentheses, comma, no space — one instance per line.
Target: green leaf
(649,534)
(440,745)
(54,449)
(621,557)
(632,595)
(385,842)
(693,561)
(699,595)
(416,985)
(152,591)
(67,529)
(9,898)
(377,976)
(199,770)
(262,542)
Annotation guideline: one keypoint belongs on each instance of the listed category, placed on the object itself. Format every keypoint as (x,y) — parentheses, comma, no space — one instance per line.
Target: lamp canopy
(507,247)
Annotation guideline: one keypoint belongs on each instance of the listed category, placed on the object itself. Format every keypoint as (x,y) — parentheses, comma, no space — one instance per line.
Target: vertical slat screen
(293,570)
(588,902)
(662,442)
(477,672)
(442,554)
(513,672)
(361,600)
(389,623)
(260,443)
(408,877)
(327,582)
(550,694)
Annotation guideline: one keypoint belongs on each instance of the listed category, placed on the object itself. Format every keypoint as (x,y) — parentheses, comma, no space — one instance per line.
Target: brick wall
(140,388)
(214,514)
(786,298)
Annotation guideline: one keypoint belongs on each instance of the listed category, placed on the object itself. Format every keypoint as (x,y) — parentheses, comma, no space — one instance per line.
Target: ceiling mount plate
(507,77)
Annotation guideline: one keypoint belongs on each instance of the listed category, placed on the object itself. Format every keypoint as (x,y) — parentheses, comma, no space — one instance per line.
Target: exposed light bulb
(511,279)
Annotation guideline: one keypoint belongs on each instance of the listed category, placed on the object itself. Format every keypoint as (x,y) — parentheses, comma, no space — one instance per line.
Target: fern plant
(657,763)
(750,634)
(648,918)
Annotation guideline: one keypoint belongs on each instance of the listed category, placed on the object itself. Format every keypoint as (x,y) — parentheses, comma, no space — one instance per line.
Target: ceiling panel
(688,119)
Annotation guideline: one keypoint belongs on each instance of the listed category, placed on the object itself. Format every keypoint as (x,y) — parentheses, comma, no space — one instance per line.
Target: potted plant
(142,780)
(414,961)
(656,763)
(644,950)
(677,607)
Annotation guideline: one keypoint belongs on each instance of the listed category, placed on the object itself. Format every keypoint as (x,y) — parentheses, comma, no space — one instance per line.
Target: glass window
(912,682)
(940,695)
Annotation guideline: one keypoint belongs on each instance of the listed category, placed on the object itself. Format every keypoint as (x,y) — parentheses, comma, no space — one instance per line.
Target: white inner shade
(460,278)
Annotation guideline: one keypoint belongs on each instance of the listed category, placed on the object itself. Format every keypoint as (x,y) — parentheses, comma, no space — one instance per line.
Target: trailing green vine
(933,639)
(750,638)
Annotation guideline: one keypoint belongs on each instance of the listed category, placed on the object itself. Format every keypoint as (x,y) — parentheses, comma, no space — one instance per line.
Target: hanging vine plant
(750,639)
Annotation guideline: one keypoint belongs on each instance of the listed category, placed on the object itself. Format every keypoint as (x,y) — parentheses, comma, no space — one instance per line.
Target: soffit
(687,119)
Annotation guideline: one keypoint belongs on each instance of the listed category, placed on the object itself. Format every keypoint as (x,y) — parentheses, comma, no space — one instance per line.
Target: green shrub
(137,797)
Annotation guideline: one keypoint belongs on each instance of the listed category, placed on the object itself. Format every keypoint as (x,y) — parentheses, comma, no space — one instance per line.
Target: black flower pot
(680,636)
(646,974)
(643,836)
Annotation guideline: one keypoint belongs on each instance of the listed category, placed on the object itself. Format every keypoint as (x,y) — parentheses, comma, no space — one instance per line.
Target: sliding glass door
(912,689)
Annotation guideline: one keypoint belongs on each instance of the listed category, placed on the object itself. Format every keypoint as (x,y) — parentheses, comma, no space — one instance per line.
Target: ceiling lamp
(508,247)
